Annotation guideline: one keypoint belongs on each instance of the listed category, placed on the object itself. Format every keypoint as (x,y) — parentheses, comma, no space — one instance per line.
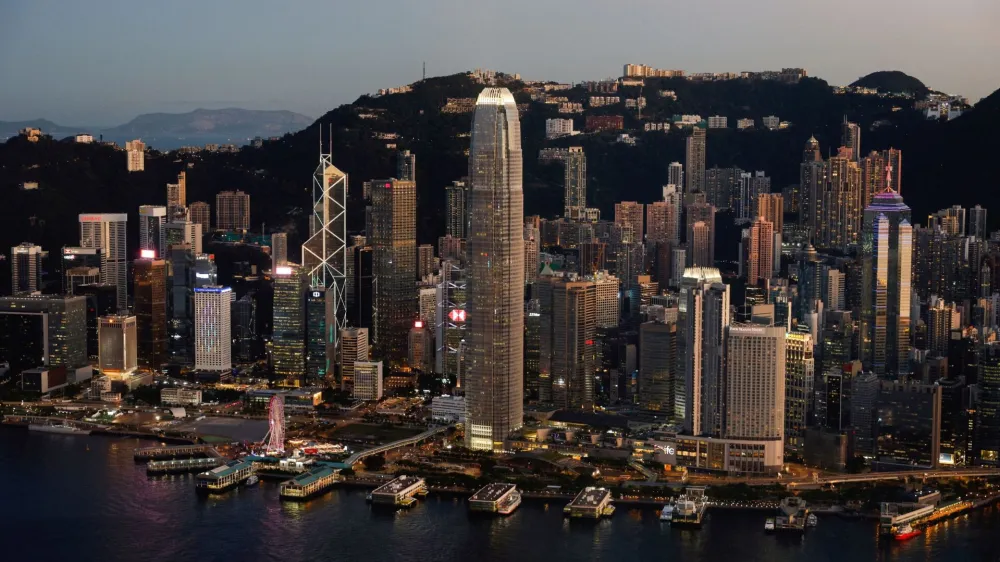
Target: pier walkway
(356,457)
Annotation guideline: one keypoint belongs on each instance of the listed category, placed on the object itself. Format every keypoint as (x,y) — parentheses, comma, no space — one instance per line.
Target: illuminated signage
(457,315)
(283,270)
(418,324)
(147,254)
(315,294)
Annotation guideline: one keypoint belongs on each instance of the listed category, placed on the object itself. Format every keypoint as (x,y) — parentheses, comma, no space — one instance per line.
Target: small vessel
(667,513)
(769,524)
(252,481)
(62,428)
(905,532)
(689,510)
(812,520)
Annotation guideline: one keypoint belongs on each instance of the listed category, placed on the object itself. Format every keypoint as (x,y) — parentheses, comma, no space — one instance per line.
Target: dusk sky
(102,62)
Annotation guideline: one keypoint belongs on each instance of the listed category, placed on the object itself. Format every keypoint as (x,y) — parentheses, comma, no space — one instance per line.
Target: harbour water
(84,498)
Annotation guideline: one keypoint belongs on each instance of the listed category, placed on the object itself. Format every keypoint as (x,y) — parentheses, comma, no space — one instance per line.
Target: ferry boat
(792,515)
(812,520)
(252,481)
(689,510)
(667,513)
(769,524)
(502,498)
(62,428)
(905,532)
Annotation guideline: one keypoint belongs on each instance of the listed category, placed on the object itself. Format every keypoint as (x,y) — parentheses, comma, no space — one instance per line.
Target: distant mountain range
(170,130)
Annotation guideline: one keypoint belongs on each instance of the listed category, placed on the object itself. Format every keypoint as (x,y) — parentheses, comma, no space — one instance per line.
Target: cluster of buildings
(787,75)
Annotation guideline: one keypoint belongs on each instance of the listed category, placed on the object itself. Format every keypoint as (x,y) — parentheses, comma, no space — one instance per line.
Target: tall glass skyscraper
(107,232)
(495,390)
(887,260)
(394,261)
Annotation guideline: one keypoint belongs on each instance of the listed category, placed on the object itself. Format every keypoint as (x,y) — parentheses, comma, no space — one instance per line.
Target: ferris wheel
(275,437)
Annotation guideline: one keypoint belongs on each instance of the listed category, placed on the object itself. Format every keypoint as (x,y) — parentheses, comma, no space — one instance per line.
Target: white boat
(769,524)
(58,428)
(667,513)
(812,520)
(252,481)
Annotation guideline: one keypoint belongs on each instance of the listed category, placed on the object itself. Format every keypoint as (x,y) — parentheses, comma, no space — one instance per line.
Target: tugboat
(905,532)
(667,513)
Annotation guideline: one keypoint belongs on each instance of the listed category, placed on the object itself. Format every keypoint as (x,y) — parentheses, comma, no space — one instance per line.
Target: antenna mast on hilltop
(424,77)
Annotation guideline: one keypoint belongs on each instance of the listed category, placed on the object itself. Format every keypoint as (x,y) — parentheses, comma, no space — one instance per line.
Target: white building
(175,396)
(135,160)
(353,348)
(771,122)
(279,249)
(718,122)
(84,138)
(555,128)
(212,328)
(367,380)
(116,337)
(745,123)
(185,233)
(153,229)
(755,382)
(106,232)
(608,305)
(448,408)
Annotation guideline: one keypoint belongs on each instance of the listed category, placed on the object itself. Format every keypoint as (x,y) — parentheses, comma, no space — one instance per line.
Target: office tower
(456,211)
(835,297)
(702,318)
(864,394)
(700,245)
(722,186)
(106,232)
(495,333)
(353,348)
(243,314)
(800,371)
(850,137)
(199,213)
(532,348)
(450,322)
(754,403)
(575,183)
(771,206)
(760,257)
(880,170)
(675,175)
(751,187)
(232,211)
(77,257)
(986,434)
(394,243)
(663,219)
(151,310)
(812,183)
(941,320)
(811,152)
(838,195)
(695,160)
(39,330)
(658,365)
(908,426)
(177,199)
(701,212)
(100,300)
(425,260)
(213,344)
(153,229)
(361,313)
(886,252)
(531,264)
(406,166)
(608,301)
(427,305)
(25,269)
(367,380)
(182,283)
(190,233)
(420,347)
(977,223)
(573,310)
(117,358)
(318,302)
(135,156)
(279,249)
(288,338)
(629,215)
(76,276)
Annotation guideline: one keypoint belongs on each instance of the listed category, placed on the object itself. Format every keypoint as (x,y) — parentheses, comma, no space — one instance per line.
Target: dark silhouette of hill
(892,81)
(944,163)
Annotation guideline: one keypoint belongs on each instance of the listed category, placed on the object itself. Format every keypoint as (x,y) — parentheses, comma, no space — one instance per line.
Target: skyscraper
(185,232)
(117,355)
(135,156)
(751,187)
(406,166)
(232,210)
(702,319)
(629,215)
(850,137)
(106,232)
(43,330)
(700,245)
(353,348)
(977,223)
(771,206)
(151,310)
(394,246)
(318,303)
(200,212)
(760,258)
(800,371)
(153,229)
(288,338)
(177,198)
(695,160)
(212,328)
(575,183)
(701,212)
(754,403)
(658,365)
(279,249)
(25,269)
(495,334)
(456,212)
(675,175)
(886,253)
(425,260)
(571,305)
